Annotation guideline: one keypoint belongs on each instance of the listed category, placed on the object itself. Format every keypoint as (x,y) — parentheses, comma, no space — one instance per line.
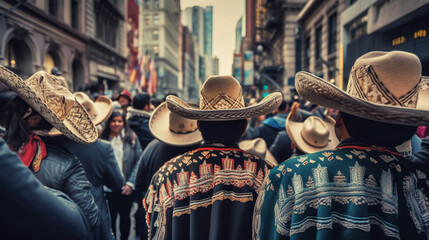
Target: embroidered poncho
(352,192)
(207,193)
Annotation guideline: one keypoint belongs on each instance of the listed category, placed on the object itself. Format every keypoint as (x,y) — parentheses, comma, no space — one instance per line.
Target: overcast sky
(225,16)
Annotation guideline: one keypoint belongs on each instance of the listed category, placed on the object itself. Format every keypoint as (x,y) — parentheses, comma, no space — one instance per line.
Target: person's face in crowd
(124,101)
(116,125)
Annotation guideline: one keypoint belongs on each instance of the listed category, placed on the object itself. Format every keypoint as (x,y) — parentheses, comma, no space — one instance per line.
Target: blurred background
(161,46)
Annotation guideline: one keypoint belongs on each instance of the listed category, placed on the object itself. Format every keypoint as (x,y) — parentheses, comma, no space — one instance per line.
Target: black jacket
(101,168)
(62,171)
(282,147)
(29,210)
(138,120)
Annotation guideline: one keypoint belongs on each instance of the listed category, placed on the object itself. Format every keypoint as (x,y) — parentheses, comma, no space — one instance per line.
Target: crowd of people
(332,165)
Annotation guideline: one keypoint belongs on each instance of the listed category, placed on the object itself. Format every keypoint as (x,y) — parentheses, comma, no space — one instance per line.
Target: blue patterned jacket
(352,192)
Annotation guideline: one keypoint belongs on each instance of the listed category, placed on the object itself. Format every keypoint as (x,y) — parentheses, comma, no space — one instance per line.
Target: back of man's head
(284,106)
(141,100)
(222,131)
(377,133)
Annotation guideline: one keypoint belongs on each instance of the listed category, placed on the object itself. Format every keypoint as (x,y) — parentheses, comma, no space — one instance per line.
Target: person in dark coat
(138,118)
(98,161)
(170,142)
(422,155)
(43,103)
(32,211)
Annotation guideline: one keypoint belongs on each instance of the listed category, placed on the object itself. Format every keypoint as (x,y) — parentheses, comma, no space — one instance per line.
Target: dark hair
(283,106)
(377,133)
(17,130)
(223,131)
(129,134)
(141,100)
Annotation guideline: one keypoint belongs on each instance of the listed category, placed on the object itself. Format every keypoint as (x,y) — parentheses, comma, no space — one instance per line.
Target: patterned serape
(352,192)
(207,193)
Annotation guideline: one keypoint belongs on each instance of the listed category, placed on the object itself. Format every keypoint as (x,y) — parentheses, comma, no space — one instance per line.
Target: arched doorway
(51,60)
(18,57)
(78,75)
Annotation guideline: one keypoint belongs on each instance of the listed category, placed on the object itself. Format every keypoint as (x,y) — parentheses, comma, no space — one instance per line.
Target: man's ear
(339,120)
(198,125)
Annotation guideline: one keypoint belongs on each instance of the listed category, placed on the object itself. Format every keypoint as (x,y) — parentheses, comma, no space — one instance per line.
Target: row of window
(332,40)
(147,4)
(147,18)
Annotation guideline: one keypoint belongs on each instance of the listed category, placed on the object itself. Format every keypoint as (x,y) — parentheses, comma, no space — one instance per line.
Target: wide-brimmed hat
(221,99)
(313,134)
(173,129)
(99,110)
(258,146)
(383,86)
(45,93)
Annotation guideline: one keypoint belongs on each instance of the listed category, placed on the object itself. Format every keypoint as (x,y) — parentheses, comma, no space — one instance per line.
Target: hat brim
(294,128)
(319,91)
(104,107)
(267,105)
(159,127)
(77,125)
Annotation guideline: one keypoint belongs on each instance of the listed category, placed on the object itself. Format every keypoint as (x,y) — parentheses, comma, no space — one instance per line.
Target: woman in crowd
(127,152)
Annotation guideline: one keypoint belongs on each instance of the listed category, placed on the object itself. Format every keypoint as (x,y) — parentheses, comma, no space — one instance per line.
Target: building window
(358,27)
(106,24)
(146,4)
(155,35)
(75,14)
(53,7)
(155,4)
(156,50)
(155,18)
(318,43)
(332,38)
(307,52)
(147,19)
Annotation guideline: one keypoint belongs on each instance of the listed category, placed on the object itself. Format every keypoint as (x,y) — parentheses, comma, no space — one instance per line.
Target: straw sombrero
(383,86)
(99,110)
(173,129)
(221,99)
(258,146)
(313,134)
(46,94)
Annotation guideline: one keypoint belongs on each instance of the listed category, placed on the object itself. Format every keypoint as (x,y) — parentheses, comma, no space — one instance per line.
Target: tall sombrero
(383,86)
(221,99)
(173,129)
(99,110)
(54,102)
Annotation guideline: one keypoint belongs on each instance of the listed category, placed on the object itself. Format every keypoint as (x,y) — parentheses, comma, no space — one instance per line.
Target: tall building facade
(161,30)
(189,67)
(385,26)
(199,20)
(82,38)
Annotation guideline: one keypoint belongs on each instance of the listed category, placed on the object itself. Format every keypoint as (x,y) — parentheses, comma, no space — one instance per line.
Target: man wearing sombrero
(364,188)
(209,192)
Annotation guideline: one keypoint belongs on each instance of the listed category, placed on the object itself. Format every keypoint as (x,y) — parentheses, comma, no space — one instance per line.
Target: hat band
(366,85)
(181,132)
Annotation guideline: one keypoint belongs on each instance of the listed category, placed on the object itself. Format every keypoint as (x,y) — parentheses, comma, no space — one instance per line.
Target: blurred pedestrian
(98,160)
(209,192)
(31,211)
(364,188)
(138,118)
(127,151)
(124,100)
(174,135)
(42,103)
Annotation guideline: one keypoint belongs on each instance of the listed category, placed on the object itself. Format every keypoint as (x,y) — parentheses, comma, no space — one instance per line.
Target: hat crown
(52,92)
(87,103)
(315,132)
(221,93)
(390,78)
(178,124)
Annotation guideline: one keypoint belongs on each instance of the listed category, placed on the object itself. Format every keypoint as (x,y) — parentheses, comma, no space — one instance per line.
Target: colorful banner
(248,68)
(133,38)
